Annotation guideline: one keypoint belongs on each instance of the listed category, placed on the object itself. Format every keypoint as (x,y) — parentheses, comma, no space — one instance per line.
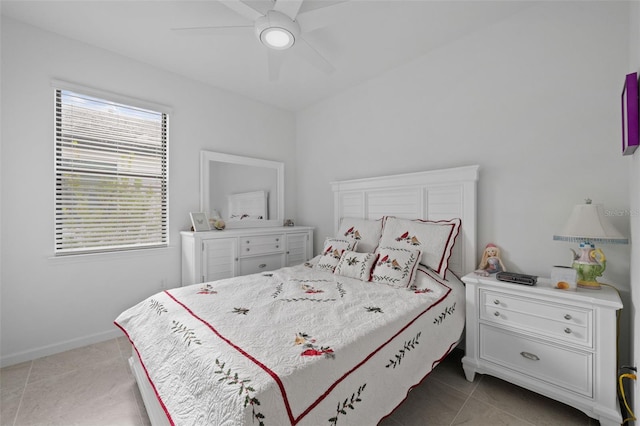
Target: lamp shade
(589,223)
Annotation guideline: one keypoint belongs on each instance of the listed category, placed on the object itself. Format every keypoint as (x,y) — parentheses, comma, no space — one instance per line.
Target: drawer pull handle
(277,239)
(567,330)
(262,265)
(277,246)
(496,302)
(567,317)
(248,249)
(529,355)
(496,313)
(248,241)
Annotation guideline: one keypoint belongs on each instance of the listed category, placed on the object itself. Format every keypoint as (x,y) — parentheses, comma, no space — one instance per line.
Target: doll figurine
(491,262)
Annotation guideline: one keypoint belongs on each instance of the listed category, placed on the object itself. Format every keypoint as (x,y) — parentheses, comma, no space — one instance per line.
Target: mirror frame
(206,157)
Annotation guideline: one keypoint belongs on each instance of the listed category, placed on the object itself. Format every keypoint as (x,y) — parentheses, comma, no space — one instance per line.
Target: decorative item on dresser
(214,255)
(557,343)
(199,221)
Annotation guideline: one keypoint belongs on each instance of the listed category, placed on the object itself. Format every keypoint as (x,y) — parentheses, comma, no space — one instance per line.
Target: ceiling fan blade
(313,56)
(222,30)
(288,7)
(324,15)
(242,9)
(274,62)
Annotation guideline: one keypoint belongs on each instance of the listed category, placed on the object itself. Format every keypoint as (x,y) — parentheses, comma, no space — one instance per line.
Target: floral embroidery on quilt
(374,309)
(241,311)
(408,345)
(305,290)
(310,281)
(423,290)
(307,299)
(447,312)
(309,289)
(207,289)
(244,388)
(347,403)
(158,307)
(187,333)
(278,291)
(409,239)
(310,348)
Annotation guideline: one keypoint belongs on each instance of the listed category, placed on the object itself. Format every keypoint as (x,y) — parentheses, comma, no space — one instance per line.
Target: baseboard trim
(31,354)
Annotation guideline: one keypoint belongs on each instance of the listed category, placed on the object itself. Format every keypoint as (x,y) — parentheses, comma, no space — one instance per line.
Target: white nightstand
(561,344)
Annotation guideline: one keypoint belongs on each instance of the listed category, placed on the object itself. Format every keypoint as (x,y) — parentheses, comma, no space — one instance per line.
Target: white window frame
(161,237)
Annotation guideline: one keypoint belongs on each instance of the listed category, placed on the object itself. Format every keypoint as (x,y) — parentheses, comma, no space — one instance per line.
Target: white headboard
(431,195)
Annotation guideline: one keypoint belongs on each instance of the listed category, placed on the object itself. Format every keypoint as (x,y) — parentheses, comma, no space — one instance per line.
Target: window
(111,175)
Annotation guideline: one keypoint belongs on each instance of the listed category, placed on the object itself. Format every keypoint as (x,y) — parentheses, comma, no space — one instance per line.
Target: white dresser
(561,344)
(214,255)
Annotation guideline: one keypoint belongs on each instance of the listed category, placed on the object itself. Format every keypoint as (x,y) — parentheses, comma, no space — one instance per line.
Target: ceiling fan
(278,29)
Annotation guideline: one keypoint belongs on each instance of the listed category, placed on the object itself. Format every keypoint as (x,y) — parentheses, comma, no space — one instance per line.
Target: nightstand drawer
(559,366)
(263,244)
(560,322)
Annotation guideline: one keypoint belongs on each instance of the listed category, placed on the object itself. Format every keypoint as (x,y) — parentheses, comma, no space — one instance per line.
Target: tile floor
(92,386)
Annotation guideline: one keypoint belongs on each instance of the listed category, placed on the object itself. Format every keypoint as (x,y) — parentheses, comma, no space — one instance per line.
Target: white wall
(51,304)
(534,100)
(634,178)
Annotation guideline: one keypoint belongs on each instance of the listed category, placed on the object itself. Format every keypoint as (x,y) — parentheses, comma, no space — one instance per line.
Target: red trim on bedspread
(328,391)
(243,352)
(292,419)
(166,412)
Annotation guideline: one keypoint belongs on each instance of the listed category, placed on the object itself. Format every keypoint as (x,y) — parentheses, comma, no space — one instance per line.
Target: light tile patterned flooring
(92,386)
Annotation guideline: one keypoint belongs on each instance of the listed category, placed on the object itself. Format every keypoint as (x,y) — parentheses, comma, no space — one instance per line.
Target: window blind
(111,175)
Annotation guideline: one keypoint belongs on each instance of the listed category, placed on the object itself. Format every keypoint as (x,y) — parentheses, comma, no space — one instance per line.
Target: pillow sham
(396,266)
(332,252)
(435,239)
(427,281)
(367,232)
(356,265)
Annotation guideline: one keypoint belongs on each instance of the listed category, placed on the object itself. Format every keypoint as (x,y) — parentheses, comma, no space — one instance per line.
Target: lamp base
(591,285)
(589,264)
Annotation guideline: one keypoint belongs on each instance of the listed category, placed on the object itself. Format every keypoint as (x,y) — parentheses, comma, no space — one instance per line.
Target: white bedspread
(295,346)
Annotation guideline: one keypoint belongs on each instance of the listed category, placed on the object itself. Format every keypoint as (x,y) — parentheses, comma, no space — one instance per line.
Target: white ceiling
(361,38)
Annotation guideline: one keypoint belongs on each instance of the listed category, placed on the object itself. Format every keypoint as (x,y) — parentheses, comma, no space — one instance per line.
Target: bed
(339,340)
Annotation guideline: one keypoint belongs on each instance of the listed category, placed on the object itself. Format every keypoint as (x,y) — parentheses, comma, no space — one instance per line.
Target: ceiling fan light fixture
(277,38)
(276,30)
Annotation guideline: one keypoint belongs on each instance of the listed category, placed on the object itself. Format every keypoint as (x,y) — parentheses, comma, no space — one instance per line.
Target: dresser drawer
(253,265)
(262,244)
(560,322)
(559,366)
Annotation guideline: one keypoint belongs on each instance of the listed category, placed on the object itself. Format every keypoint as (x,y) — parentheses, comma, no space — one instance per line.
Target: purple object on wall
(630,137)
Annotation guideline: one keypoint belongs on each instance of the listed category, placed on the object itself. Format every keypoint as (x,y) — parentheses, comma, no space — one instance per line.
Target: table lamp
(588,225)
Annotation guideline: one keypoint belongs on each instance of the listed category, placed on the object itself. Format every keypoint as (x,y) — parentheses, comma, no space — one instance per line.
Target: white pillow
(367,232)
(356,265)
(396,266)
(332,252)
(435,239)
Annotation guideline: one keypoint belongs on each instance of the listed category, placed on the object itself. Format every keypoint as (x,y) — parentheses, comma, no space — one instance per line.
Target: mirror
(242,189)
